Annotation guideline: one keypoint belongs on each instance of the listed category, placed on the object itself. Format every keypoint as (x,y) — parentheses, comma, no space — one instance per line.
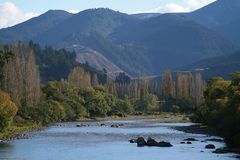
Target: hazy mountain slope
(146,15)
(218,66)
(27,30)
(231,30)
(171,40)
(222,16)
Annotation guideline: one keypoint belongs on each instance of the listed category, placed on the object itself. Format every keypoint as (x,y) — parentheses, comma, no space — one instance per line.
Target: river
(65,141)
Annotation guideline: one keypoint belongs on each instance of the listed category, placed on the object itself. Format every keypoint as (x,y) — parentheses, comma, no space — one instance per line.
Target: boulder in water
(190,139)
(80,125)
(114,126)
(210,146)
(151,142)
(141,142)
(133,141)
(164,144)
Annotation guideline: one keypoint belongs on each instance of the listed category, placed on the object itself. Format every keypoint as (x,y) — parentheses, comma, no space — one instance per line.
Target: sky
(16,11)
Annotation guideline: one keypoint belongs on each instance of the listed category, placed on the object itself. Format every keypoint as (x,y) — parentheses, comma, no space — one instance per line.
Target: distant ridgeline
(142,44)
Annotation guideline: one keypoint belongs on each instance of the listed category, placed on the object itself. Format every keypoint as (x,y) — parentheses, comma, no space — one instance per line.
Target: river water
(65,141)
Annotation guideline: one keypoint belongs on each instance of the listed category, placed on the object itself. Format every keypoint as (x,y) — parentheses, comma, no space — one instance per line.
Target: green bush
(121,108)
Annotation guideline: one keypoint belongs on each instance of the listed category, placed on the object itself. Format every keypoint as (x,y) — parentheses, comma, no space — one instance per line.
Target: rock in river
(210,146)
(141,142)
(102,124)
(80,125)
(114,125)
(151,142)
(133,141)
(190,139)
(164,144)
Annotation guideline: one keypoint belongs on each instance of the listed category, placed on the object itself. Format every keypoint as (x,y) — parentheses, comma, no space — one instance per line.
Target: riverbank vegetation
(221,109)
(40,86)
(44,85)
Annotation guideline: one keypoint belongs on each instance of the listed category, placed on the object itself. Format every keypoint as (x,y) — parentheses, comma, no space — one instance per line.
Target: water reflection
(4,146)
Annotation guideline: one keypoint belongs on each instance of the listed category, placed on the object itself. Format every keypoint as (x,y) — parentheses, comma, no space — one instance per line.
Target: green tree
(95,102)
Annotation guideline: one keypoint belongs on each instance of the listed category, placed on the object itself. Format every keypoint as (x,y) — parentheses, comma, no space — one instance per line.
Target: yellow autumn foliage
(8,110)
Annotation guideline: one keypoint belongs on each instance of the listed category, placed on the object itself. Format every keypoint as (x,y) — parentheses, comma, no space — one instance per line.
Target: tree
(121,108)
(79,78)
(21,76)
(94,80)
(68,97)
(148,104)
(167,84)
(5,55)
(122,78)
(221,108)
(200,87)
(96,102)
(8,110)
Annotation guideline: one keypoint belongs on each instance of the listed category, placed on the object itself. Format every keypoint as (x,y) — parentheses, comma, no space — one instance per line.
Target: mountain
(138,46)
(218,66)
(28,30)
(171,40)
(222,16)
(102,21)
(96,60)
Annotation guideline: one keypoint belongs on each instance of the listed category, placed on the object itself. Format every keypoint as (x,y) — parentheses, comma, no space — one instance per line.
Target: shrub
(8,110)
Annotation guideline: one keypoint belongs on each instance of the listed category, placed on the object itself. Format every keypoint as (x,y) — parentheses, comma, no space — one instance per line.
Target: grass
(170,117)
(21,125)
(13,131)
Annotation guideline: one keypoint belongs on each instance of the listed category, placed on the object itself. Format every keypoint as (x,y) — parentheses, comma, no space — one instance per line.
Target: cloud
(170,7)
(10,15)
(74,11)
(186,6)
(196,4)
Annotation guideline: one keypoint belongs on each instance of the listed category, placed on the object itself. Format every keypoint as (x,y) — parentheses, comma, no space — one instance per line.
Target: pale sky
(15,11)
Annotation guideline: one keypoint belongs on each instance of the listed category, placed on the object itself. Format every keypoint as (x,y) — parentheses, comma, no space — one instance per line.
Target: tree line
(48,85)
(173,91)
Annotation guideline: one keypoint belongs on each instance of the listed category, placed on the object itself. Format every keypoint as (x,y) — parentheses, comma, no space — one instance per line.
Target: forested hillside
(26,31)
(151,42)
